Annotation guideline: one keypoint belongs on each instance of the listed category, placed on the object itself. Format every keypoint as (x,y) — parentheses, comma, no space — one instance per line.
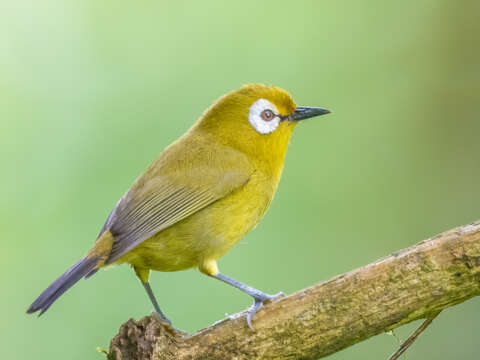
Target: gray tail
(62,284)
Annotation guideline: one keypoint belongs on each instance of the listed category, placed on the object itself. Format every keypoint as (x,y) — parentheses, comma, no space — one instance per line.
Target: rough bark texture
(330,316)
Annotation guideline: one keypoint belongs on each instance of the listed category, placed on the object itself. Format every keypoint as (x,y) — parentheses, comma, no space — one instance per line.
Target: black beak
(305,112)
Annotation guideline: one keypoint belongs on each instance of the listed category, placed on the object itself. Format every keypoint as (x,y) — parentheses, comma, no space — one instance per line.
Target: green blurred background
(91,91)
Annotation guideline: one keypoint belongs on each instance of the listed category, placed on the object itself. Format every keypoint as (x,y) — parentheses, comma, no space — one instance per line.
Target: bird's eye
(263,116)
(267,115)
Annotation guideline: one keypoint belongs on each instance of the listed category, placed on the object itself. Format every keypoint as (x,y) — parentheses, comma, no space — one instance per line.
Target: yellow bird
(200,196)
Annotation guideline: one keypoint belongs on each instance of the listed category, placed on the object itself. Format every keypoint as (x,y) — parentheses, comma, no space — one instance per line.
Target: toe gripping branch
(259,296)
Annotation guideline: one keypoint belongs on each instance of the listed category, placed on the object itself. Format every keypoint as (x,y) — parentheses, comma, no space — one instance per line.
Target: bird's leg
(143,274)
(258,296)
(166,321)
(149,291)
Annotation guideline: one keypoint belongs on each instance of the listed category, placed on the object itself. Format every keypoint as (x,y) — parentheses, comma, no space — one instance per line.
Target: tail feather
(86,267)
(62,284)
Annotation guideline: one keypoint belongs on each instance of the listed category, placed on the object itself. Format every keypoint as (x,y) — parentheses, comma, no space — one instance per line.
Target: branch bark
(320,320)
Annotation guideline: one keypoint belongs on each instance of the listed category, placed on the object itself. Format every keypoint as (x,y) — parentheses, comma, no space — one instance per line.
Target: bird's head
(257,119)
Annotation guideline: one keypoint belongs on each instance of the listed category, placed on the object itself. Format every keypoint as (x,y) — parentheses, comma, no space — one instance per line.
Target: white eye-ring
(263,116)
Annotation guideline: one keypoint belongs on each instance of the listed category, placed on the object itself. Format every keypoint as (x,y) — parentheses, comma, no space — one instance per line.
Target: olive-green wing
(163,200)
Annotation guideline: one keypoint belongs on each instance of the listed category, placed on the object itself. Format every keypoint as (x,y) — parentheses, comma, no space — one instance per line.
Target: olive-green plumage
(201,195)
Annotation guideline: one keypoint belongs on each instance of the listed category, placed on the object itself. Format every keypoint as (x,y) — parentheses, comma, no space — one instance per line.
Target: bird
(199,197)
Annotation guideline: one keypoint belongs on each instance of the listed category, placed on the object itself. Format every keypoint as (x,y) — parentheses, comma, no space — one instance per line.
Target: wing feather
(139,223)
(162,198)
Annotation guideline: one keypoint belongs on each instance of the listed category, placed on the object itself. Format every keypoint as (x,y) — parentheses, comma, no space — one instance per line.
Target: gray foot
(258,303)
(167,324)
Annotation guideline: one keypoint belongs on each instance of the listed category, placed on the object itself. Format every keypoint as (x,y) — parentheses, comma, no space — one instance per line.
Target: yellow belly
(208,234)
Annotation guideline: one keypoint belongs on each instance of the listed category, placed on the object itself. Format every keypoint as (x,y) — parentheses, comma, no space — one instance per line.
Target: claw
(167,324)
(252,310)
(162,318)
(278,295)
(258,303)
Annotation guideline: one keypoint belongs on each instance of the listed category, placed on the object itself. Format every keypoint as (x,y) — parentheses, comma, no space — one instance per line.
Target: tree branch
(320,320)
